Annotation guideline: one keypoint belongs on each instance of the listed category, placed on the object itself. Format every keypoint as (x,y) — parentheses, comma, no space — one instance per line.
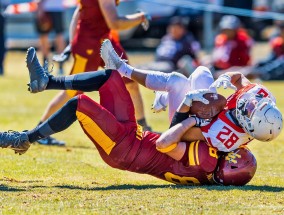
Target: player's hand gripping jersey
(224,133)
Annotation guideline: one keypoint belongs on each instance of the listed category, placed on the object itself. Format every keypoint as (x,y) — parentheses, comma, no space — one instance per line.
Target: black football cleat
(38,75)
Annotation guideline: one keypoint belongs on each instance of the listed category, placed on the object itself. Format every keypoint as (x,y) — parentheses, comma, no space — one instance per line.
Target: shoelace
(10,138)
(46,67)
(120,57)
(123,60)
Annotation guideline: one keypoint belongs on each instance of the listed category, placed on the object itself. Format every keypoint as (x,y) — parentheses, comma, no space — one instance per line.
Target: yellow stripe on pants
(79,67)
(95,132)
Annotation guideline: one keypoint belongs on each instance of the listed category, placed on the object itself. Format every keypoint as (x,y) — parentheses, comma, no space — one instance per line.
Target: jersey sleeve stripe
(196,153)
(191,154)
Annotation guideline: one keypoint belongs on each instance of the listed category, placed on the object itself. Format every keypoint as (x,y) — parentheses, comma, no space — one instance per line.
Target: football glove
(64,56)
(196,95)
(201,122)
(225,81)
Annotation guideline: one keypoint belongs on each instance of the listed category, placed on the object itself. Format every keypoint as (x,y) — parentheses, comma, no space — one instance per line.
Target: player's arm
(181,114)
(238,79)
(233,80)
(73,24)
(170,141)
(183,110)
(116,22)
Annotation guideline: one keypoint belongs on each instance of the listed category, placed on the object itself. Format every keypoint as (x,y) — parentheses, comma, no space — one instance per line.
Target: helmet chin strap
(246,124)
(232,114)
(240,114)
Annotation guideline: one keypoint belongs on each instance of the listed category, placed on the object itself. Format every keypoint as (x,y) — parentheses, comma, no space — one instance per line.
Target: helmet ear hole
(235,168)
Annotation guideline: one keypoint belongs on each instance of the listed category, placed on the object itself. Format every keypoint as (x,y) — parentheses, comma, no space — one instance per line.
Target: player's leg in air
(86,59)
(101,122)
(171,87)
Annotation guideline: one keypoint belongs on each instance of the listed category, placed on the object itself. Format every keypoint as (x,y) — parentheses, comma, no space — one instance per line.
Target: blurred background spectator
(247,4)
(48,17)
(177,51)
(272,68)
(202,24)
(3,5)
(232,45)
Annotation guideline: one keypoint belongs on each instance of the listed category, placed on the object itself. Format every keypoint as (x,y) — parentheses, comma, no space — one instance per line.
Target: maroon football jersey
(91,21)
(91,30)
(195,168)
(122,144)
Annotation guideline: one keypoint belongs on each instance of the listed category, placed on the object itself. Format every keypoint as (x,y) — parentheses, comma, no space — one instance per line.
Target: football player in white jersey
(250,112)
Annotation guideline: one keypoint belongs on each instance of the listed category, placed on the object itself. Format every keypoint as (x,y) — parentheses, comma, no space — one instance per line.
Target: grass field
(75,180)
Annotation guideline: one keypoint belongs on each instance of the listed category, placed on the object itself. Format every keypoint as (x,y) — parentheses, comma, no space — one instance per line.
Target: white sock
(125,70)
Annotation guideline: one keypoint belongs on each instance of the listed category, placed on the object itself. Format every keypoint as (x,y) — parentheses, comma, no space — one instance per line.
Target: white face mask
(259,116)
(248,103)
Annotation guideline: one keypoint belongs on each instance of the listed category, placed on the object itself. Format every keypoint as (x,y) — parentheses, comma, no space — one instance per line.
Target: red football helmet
(235,168)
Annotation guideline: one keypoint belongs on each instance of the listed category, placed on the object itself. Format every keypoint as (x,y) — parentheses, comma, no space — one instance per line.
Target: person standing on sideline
(232,45)
(178,50)
(2,36)
(49,16)
(92,22)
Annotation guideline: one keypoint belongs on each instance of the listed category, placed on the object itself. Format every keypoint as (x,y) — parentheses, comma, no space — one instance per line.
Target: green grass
(75,180)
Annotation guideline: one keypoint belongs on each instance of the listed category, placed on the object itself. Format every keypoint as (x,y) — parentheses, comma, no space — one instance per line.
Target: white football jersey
(222,133)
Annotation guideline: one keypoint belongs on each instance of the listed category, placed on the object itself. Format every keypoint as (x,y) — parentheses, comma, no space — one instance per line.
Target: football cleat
(51,141)
(18,141)
(157,104)
(110,57)
(38,74)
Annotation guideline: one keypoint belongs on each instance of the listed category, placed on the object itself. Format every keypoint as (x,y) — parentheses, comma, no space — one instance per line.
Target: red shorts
(111,125)
(87,55)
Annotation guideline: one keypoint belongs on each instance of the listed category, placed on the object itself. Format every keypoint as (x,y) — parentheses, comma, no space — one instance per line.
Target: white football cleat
(110,57)
(157,104)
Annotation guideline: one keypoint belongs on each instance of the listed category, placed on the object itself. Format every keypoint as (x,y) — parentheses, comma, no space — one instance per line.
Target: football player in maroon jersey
(92,22)
(112,127)
(121,142)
